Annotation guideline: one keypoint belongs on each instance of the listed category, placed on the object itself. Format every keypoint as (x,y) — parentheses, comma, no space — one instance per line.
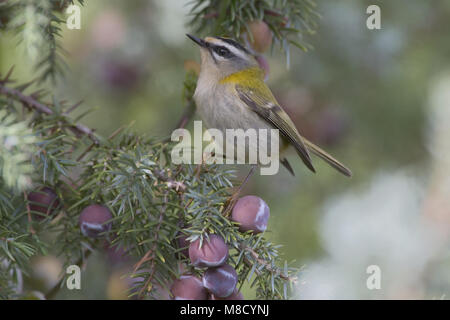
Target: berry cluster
(219,279)
(210,254)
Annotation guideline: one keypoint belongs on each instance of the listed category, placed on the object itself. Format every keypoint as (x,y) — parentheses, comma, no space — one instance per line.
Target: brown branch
(89,148)
(85,152)
(179,186)
(76,105)
(272,13)
(188,113)
(32,103)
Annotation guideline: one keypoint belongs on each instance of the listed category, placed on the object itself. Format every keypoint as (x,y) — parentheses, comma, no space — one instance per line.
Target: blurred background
(379,100)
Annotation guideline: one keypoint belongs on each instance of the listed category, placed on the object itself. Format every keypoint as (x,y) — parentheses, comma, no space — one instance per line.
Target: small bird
(231,94)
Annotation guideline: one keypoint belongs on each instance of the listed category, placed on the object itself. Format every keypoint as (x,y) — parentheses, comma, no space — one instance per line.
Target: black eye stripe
(222,51)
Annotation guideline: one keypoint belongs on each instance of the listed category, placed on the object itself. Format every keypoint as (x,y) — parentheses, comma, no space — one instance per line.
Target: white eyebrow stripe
(233,49)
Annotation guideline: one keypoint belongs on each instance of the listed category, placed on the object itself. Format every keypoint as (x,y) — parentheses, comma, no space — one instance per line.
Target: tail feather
(287,165)
(327,158)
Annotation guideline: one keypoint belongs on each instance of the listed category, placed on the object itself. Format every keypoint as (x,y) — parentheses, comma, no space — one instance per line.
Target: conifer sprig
(46,153)
(152,201)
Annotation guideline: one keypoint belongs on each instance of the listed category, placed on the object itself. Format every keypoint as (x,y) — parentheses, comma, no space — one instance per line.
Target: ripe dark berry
(236,295)
(261,34)
(93,220)
(252,214)
(44,201)
(220,281)
(188,287)
(212,253)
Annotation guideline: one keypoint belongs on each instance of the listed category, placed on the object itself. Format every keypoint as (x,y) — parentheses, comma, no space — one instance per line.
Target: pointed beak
(198,41)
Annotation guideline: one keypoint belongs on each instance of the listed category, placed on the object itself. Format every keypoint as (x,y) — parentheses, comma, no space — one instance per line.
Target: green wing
(260,99)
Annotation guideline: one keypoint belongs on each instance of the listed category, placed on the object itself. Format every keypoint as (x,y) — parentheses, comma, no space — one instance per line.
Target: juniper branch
(30,102)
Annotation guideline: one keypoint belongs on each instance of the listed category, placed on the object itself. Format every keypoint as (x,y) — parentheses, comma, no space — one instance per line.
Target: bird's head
(223,56)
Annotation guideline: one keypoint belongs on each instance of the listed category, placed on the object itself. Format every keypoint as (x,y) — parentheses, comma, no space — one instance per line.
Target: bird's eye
(221,51)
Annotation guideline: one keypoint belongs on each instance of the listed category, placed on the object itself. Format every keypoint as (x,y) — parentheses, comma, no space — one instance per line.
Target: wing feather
(264,104)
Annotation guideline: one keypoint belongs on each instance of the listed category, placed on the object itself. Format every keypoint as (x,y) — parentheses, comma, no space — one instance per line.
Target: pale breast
(222,110)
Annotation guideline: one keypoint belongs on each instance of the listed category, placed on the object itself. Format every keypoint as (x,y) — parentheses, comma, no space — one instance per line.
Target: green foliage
(18,142)
(38,27)
(153,201)
(289,20)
